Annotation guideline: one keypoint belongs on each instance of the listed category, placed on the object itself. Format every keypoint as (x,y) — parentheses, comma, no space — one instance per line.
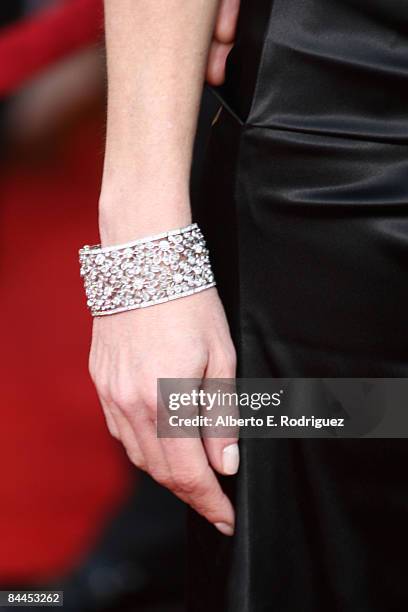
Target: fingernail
(230,459)
(224,528)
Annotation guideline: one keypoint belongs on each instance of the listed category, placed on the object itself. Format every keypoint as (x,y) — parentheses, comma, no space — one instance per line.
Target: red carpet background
(62,476)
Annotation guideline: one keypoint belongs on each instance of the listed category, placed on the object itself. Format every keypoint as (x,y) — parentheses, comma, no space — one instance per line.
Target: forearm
(157,53)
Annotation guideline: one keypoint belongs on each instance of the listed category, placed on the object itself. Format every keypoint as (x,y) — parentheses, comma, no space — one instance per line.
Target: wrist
(136,215)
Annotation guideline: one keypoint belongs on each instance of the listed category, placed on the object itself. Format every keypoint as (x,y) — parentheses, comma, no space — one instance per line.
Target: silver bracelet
(145,272)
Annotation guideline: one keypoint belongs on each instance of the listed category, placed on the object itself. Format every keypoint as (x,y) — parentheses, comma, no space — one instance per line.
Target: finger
(137,422)
(194,481)
(181,465)
(226,21)
(223,454)
(217,58)
(221,440)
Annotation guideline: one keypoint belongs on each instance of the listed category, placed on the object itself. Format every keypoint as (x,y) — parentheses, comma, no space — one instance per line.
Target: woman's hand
(223,40)
(155,84)
(184,338)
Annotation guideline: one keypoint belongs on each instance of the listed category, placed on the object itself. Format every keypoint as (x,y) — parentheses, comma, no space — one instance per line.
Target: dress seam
(311,132)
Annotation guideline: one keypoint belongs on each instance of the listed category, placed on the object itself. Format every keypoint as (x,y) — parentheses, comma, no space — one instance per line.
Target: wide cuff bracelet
(145,272)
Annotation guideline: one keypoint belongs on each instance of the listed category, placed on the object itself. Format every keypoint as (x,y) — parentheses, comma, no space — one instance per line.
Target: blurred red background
(60,466)
(74,512)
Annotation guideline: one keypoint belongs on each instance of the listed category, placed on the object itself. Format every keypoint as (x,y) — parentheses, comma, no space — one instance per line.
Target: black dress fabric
(304,202)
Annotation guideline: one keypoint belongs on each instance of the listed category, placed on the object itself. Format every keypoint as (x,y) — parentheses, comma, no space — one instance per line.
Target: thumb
(221,439)
(223,454)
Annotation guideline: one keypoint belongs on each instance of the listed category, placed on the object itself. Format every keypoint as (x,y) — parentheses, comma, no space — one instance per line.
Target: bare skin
(159,54)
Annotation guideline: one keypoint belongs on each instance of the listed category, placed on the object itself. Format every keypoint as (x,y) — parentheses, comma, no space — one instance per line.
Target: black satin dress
(305,205)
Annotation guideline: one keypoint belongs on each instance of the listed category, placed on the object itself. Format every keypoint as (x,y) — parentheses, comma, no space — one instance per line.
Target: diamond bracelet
(145,272)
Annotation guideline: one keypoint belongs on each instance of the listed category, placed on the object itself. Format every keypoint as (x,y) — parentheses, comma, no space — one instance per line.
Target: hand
(184,338)
(223,40)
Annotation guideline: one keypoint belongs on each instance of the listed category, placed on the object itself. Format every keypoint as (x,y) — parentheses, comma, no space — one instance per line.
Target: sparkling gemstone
(138,283)
(198,248)
(152,284)
(164,245)
(99,259)
(178,278)
(133,270)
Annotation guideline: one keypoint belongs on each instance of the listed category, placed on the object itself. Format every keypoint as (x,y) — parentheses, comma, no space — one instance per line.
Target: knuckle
(102,387)
(91,365)
(162,477)
(150,400)
(208,507)
(135,458)
(92,372)
(125,396)
(230,357)
(225,363)
(189,484)
(114,433)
